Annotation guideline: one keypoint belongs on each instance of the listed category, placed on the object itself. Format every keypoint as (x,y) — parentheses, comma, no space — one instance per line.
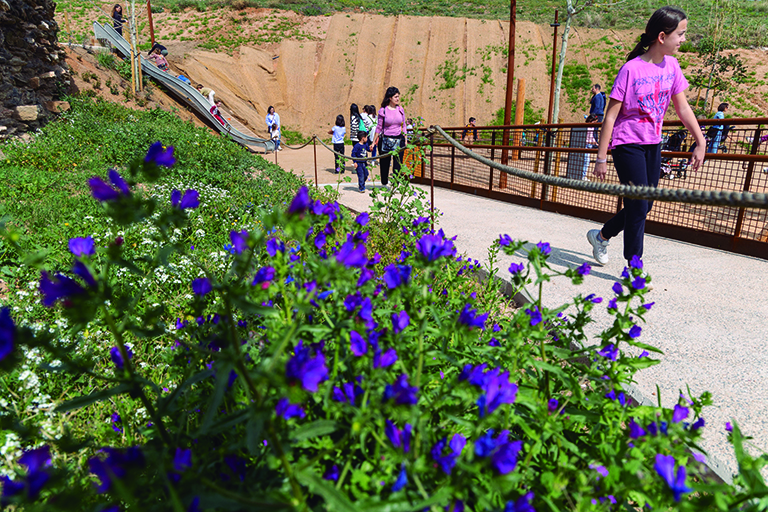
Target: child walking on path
(338,132)
(275,135)
(644,86)
(360,151)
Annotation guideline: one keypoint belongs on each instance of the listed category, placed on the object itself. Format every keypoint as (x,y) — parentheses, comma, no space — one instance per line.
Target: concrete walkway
(710,317)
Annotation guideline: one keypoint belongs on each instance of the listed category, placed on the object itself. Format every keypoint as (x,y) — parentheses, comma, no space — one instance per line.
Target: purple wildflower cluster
(495,384)
(116,464)
(502,451)
(37,462)
(307,366)
(7,333)
(447,461)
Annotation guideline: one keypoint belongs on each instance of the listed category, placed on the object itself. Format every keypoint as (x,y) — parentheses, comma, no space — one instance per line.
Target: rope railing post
(493,150)
(747,183)
(314,150)
(453,163)
(432,178)
(547,163)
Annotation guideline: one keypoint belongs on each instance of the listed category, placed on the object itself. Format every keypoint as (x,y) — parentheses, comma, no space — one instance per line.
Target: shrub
(301,374)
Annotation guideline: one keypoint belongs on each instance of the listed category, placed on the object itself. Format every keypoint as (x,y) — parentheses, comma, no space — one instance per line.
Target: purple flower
(401,482)
(363,218)
(544,248)
(456,506)
(436,246)
(636,262)
(728,426)
(700,457)
(502,452)
(311,371)
(117,463)
(332,473)
(634,331)
(300,202)
(494,343)
(117,423)
(263,275)
(584,269)
(635,430)
(609,352)
(448,461)
(535,315)
(648,306)
(7,333)
(36,460)
(399,437)
(638,283)
(401,392)
(358,345)
(654,429)
(396,275)
(117,357)
(593,299)
(351,255)
(600,469)
(347,393)
(617,288)
(60,287)
(679,414)
(82,246)
(160,155)
(470,318)
(643,354)
(101,191)
(79,269)
(384,359)
(275,245)
(552,404)
(497,390)
(698,424)
(191,199)
(400,321)
(239,240)
(523,504)
(516,268)
(665,467)
(201,286)
(505,240)
(182,460)
(287,410)
(613,303)
(320,240)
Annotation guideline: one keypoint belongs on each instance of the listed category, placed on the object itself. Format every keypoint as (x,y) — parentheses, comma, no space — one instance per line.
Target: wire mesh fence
(736,160)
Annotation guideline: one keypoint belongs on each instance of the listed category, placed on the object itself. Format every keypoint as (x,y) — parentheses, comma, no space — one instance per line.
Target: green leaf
(167,401)
(222,379)
(253,431)
(314,429)
(437,498)
(334,498)
(82,401)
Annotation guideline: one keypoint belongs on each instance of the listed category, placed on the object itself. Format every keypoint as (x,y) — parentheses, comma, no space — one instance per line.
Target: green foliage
(449,72)
(106,60)
(576,83)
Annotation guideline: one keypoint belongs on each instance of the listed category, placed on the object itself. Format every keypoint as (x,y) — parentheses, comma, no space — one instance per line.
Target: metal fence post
(547,164)
(493,150)
(747,183)
(453,163)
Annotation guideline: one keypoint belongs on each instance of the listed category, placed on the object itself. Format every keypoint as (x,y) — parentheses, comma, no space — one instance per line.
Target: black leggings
(384,169)
(636,165)
(339,148)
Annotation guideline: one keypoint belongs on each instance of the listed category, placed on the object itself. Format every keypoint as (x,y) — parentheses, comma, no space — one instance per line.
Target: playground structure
(184,91)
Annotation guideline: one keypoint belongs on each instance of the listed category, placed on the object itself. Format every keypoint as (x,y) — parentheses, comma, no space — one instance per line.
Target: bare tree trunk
(560,65)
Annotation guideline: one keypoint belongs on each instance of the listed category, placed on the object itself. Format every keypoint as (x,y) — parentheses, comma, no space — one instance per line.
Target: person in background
(409,127)
(208,93)
(591,144)
(272,118)
(275,134)
(354,122)
(471,127)
(215,112)
(597,103)
(117,18)
(158,58)
(640,96)
(369,120)
(338,132)
(716,132)
(390,133)
(359,151)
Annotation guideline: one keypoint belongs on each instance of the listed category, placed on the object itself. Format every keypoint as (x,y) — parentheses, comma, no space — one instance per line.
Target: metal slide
(185,91)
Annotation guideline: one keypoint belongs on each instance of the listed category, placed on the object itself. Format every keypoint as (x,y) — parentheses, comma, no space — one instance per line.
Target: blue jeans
(586,161)
(362,175)
(637,165)
(714,144)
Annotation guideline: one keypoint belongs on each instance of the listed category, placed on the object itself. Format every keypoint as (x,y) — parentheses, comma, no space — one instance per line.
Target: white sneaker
(599,247)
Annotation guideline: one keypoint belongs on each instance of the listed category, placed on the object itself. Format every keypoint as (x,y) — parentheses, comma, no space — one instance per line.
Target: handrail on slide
(184,90)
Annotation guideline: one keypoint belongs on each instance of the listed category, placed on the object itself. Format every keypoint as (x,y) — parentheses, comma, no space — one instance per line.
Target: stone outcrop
(32,69)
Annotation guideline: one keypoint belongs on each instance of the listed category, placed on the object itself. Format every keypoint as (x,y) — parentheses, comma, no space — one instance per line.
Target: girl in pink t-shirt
(644,86)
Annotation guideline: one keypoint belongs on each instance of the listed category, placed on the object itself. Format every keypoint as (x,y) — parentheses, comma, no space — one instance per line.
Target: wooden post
(151,25)
(519,115)
(314,150)
(510,86)
(69,29)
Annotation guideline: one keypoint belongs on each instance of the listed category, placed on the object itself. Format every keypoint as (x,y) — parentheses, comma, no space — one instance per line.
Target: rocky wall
(33,75)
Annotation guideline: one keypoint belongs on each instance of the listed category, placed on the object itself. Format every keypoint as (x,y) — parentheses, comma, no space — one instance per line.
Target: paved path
(710,317)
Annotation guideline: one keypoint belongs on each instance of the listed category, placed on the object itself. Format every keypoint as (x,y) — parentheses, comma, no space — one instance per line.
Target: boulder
(27,112)
(56,106)
(34,82)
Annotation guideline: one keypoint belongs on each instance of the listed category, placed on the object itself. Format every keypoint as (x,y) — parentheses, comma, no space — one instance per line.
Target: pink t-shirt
(391,121)
(645,90)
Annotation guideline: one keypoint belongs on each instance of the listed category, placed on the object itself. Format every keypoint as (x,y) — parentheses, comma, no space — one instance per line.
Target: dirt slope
(447,69)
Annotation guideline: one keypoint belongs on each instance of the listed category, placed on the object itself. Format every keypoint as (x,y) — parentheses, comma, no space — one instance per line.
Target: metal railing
(741,165)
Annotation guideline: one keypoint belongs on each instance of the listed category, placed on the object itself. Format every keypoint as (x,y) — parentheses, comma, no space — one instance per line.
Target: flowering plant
(311,374)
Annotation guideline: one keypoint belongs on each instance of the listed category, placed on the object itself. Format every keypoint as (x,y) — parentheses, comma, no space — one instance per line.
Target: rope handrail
(680,195)
(355,159)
